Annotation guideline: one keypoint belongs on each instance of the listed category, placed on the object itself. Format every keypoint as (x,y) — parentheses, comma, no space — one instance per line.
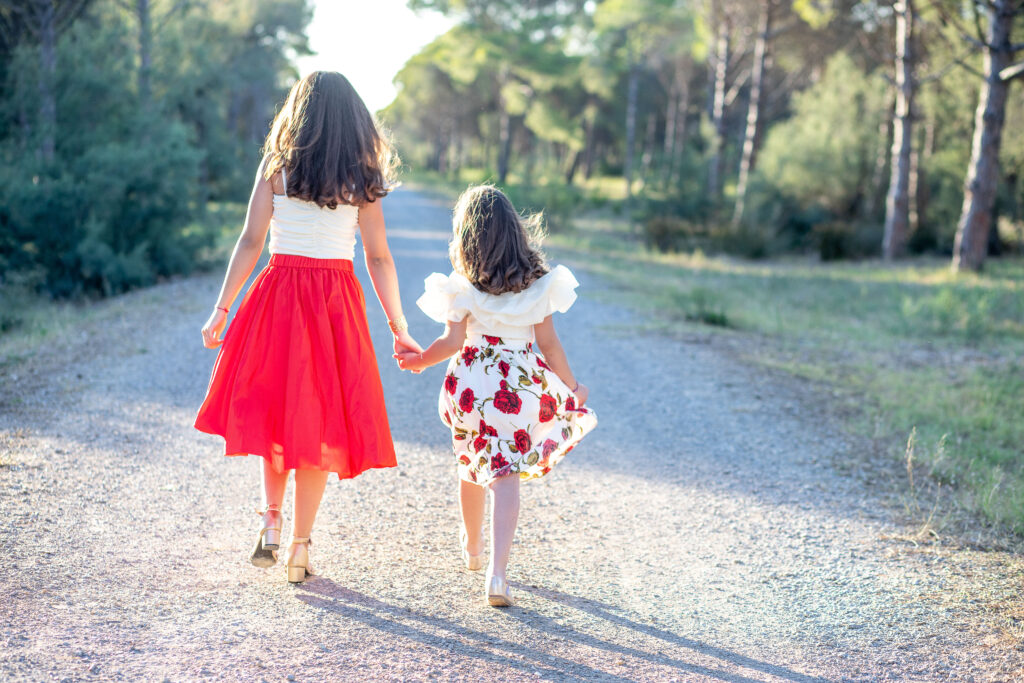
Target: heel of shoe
(498,593)
(296,574)
(272,539)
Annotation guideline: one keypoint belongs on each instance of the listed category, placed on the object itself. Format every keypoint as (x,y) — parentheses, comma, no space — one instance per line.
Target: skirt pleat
(296,379)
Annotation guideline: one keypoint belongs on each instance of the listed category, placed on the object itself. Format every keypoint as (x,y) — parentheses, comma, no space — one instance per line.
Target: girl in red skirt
(296,379)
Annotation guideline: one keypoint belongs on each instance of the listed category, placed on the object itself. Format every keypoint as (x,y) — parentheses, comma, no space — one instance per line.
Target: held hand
(213,328)
(582,394)
(404,343)
(411,361)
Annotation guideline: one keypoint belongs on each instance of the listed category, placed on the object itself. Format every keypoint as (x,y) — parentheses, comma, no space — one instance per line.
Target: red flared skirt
(296,379)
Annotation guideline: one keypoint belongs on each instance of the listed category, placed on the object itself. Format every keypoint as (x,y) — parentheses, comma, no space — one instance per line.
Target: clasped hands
(407,353)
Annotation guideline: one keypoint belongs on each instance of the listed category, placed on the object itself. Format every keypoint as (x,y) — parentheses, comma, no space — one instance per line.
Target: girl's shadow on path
(323,593)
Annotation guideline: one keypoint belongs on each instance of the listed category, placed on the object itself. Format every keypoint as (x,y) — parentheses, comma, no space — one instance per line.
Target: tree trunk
(145,52)
(885,127)
(980,184)
(570,173)
(751,137)
(721,63)
(631,98)
(648,155)
(671,119)
(589,142)
(47,17)
(679,139)
(897,202)
(504,143)
(921,194)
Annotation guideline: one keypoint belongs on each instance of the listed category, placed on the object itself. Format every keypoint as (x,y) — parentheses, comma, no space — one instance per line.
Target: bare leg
(504,518)
(309,490)
(274,484)
(472,499)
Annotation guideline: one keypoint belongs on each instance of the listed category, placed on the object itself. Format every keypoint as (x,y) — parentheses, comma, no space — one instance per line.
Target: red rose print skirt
(509,413)
(296,379)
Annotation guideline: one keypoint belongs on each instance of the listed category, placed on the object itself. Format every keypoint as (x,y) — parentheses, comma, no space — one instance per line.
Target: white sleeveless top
(304,229)
(510,316)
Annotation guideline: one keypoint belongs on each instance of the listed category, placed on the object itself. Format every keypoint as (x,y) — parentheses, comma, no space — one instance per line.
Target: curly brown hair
(494,247)
(329,145)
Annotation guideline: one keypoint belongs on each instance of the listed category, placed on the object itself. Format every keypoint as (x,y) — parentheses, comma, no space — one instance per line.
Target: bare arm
(551,348)
(444,347)
(244,257)
(381,267)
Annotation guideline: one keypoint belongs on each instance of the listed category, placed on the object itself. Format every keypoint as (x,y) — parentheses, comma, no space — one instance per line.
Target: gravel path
(704,531)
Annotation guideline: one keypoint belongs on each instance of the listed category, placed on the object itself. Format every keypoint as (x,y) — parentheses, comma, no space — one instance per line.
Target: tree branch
(1012,72)
(737,85)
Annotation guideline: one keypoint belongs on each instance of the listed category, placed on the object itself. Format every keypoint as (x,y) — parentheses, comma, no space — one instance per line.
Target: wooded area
(851,128)
(759,126)
(123,124)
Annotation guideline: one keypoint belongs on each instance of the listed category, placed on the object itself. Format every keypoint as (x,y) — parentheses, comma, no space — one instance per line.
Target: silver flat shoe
(498,593)
(472,562)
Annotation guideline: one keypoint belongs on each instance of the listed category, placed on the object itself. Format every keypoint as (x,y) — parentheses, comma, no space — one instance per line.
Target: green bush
(670,233)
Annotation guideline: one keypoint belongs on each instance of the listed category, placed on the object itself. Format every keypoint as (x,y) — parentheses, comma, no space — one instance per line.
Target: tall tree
(976,218)
(45,20)
(897,202)
(752,131)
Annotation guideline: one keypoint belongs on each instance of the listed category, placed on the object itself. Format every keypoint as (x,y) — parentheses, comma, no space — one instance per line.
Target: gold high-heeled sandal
(298,563)
(472,562)
(498,593)
(264,553)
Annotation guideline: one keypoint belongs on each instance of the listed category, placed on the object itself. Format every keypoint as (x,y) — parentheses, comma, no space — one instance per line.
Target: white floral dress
(507,410)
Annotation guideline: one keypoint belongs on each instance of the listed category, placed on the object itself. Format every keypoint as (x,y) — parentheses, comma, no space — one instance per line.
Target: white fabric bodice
(305,229)
(510,316)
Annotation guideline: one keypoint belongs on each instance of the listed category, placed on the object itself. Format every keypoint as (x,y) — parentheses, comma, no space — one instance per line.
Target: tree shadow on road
(452,636)
(607,612)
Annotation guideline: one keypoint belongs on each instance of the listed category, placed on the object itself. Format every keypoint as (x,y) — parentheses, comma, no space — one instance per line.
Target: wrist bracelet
(398,325)
(221,308)
(577,387)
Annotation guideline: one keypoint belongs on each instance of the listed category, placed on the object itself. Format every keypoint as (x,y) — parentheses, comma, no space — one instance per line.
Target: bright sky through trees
(368,42)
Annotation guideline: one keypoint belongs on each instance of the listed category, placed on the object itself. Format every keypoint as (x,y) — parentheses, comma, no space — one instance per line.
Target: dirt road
(704,531)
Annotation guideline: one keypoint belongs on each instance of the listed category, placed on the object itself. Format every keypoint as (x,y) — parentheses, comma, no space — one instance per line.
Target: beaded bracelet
(398,325)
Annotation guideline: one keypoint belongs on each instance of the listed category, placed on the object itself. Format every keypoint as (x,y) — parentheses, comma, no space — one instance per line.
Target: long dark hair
(329,145)
(494,247)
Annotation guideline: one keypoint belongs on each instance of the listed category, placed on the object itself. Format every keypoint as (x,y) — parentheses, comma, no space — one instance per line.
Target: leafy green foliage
(123,202)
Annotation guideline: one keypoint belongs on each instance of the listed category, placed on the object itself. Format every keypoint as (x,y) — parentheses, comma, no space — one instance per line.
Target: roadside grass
(910,347)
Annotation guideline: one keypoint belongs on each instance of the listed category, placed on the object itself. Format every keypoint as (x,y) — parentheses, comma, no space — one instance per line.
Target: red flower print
(478,444)
(548,448)
(451,382)
(547,408)
(487,430)
(506,401)
(536,379)
(498,461)
(523,441)
(466,400)
(570,403)
(503,368)
(540,362)
(529,346)
(469,354)
(492,340)
(447,417)
(464,459)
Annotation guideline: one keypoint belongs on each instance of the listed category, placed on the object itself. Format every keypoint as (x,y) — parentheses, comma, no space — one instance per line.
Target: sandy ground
(708,530)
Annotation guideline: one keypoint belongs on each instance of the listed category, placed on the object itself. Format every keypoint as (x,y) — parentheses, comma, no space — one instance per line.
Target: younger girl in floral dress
(513,413)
